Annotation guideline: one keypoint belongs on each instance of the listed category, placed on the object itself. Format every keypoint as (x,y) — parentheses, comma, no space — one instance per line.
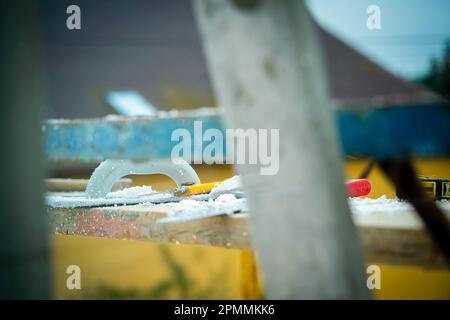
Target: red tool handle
(357,187)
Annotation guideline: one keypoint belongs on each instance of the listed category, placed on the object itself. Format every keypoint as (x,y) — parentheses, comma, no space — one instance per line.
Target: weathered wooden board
(400,130)
(388,238)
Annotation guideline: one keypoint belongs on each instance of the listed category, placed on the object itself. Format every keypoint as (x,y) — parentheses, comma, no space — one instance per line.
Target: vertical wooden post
(24,263)
(267,71)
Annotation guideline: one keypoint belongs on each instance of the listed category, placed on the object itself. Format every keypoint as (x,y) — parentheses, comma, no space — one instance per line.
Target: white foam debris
(133,192)
(222,203)
(225,198)
(189,205)
(190,209)
(227,186)
(81,200)
(385,205)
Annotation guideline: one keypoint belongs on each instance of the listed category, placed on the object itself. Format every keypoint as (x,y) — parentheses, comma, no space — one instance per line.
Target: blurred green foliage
(179,285)
(438,76)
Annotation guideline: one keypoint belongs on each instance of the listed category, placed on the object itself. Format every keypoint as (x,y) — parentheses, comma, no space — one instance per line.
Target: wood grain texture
(140,223)
(398,239)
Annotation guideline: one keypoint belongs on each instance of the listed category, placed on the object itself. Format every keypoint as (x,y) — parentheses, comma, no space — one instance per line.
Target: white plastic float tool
(111,170)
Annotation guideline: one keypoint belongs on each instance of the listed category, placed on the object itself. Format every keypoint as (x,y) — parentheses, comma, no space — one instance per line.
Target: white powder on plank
(225,203)
(133,192)
(386,205)
(225,198)
(189,204)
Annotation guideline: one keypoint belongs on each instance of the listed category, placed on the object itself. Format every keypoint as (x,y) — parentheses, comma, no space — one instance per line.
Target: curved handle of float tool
(111,170)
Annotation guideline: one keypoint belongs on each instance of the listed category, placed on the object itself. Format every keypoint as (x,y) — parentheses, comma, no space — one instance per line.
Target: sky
(412,31)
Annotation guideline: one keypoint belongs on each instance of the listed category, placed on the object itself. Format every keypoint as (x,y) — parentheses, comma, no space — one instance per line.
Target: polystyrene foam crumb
(385,205)
(222,202)
(189,204)
(226,198)
(133,192)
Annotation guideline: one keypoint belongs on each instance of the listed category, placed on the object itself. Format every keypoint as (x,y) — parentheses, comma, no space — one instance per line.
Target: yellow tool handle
(198,189)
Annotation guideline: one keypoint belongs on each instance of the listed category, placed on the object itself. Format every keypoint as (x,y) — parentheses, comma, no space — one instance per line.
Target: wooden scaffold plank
(388,238)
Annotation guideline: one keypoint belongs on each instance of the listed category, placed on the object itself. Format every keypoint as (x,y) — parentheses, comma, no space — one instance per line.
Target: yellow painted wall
(400,282)
(380,185)
(137,269)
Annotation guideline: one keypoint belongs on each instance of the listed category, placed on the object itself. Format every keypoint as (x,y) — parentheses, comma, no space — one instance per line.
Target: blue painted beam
(422,131)
(411,130)
(134,138)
